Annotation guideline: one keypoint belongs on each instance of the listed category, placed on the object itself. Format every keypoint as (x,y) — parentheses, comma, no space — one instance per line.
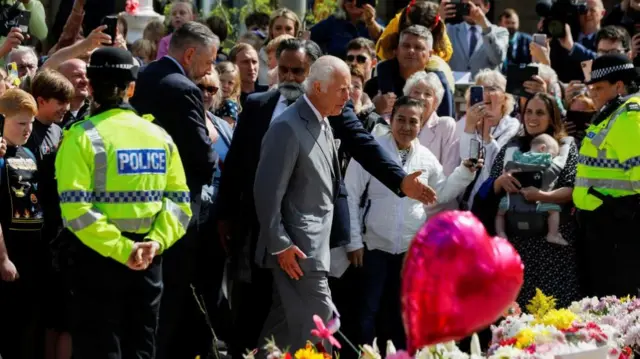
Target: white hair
(19,51)
(547,74)
(323,71)
(430,79)
(494,78)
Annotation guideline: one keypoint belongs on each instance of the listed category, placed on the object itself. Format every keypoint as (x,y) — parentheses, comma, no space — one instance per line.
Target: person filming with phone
(607,185)
(477,43)
(352,19)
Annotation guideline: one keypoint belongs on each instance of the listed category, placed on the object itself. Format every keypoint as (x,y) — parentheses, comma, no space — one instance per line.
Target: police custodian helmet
(112,65)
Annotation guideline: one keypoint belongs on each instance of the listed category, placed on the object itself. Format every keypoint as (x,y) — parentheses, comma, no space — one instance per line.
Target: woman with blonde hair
(487,126)
(282,22)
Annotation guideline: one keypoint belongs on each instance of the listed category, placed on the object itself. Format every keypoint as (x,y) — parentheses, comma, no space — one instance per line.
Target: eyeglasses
(210,89)
(360,58)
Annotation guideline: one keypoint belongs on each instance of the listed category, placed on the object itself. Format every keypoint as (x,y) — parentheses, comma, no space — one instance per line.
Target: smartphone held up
(111,21)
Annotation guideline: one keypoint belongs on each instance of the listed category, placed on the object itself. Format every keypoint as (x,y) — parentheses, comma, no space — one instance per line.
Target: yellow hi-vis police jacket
(609,158)
(118,172)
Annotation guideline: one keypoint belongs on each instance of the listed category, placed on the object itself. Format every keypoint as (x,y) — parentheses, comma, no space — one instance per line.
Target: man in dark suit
(518,52)
(251,293)
(166,89)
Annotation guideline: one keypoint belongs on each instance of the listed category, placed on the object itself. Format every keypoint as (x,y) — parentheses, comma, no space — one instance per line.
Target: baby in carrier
(543,149)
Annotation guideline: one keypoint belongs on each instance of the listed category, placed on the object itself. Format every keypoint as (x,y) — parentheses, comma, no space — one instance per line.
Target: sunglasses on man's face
(361,59)
(210,89)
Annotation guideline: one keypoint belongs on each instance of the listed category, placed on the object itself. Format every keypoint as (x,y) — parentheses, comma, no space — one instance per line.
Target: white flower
(391,349)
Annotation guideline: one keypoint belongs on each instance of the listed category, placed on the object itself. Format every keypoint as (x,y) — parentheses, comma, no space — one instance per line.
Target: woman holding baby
(532,180)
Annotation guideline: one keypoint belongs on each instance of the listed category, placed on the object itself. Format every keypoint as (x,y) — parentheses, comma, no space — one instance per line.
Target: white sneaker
(557,239)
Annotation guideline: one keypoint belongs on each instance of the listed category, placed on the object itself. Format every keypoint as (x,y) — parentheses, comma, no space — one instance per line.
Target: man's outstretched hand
(414,188)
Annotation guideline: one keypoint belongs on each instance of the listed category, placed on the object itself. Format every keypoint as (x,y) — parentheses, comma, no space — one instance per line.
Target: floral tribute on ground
(608,326)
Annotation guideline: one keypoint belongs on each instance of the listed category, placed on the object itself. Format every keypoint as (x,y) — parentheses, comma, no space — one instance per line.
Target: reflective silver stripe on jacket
(84,221)
(598,139)
(99,157)
(123,224)
(607,183)
(175,210)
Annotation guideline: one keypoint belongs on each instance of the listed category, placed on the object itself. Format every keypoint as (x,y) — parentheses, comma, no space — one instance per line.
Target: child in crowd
(230,86)
(271,48)
(144,50)
(154,32)
(22,250)
(257,22)
(543,149)
(182,11)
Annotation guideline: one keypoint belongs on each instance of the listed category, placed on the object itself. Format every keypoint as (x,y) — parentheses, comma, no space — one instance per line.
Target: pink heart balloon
(456,280)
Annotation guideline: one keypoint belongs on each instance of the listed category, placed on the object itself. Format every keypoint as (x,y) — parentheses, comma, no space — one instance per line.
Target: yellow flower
(561,319)
(309,352)
(525,338)
(627,299)
(540,304)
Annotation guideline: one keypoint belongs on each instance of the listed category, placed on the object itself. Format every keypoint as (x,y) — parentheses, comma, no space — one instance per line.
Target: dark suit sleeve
(366,150)
(231,181)
(191,137)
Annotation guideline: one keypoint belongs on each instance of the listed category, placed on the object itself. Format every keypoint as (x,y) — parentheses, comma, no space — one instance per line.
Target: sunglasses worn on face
(360,58)
(210,89)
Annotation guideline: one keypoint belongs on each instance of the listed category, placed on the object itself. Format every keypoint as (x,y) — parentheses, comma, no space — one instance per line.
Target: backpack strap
(365,205)
(28,151)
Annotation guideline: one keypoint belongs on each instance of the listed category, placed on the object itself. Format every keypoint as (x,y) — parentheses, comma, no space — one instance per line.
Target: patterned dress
(550,267)
(228,108)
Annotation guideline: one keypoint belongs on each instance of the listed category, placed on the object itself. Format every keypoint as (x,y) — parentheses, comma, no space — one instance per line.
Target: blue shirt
(333,34)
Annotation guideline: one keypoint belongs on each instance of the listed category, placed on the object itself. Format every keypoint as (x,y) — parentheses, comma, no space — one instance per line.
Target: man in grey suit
(477,44)
(296,184)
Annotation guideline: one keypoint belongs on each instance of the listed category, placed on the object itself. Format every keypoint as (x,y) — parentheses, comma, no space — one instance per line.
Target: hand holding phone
(111,22)
(540,39)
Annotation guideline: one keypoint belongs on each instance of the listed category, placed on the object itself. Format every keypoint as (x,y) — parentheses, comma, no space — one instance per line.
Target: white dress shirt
(280,107)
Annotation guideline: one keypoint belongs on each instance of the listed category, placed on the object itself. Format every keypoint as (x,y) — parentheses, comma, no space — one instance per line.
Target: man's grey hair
(420,31)
(193,34)
(430,79)
(323,71)
(19,51)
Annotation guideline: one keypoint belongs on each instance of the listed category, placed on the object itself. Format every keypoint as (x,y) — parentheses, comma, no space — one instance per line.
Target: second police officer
(607,185)
(124,196)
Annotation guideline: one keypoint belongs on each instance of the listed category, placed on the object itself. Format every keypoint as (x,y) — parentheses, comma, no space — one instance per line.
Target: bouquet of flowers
(608,324)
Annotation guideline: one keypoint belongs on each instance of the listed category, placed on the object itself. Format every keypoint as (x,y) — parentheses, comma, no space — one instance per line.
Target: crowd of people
(172,198)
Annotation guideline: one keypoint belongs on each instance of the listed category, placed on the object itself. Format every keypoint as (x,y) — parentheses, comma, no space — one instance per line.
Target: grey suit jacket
(295,186)
(490,52)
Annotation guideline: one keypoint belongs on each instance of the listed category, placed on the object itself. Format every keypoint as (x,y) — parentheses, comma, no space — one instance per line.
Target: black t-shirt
(20,207)
(258,88)
(44,142)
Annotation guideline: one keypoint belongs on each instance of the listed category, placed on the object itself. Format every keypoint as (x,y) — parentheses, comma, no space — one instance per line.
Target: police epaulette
(633,106)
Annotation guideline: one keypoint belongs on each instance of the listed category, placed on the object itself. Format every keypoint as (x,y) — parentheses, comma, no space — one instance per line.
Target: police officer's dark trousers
(115,309)
(609,248)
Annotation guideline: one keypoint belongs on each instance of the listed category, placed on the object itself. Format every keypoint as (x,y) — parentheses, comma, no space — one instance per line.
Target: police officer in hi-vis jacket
(124,196)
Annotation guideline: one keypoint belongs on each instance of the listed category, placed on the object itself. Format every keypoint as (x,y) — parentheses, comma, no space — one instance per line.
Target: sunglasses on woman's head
(360,58)
(210,89)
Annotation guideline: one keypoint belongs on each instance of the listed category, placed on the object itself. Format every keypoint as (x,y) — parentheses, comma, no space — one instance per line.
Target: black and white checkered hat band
(601,73)
(113,66)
